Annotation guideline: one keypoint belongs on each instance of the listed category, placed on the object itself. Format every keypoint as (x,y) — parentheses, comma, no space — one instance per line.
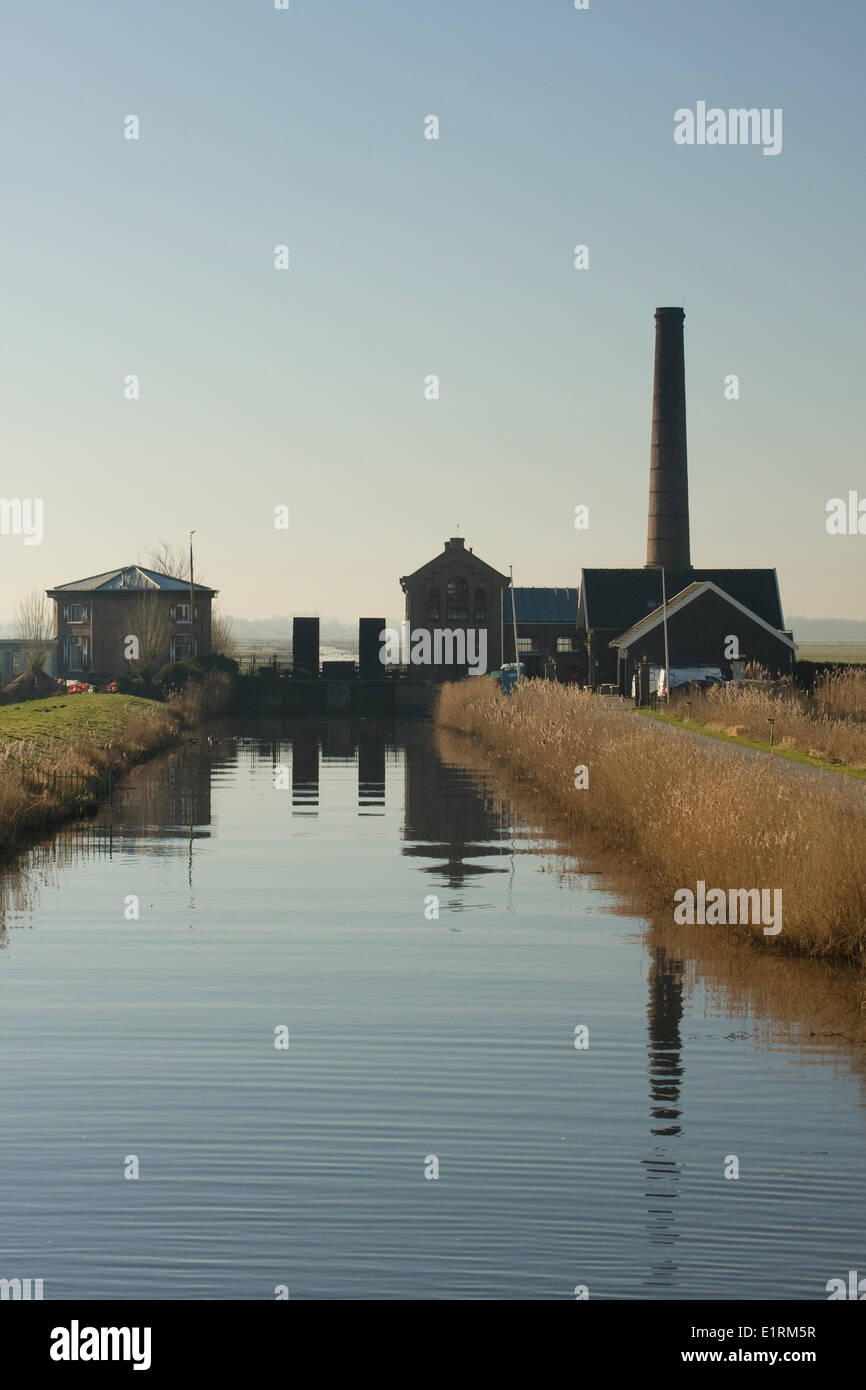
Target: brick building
(94,618)
(456,592)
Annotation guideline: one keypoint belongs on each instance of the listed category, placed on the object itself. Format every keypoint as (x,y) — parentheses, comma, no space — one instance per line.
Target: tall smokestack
(668,529)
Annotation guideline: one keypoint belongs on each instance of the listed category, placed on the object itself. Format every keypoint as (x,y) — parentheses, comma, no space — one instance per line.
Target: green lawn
(67,717)
(793,754)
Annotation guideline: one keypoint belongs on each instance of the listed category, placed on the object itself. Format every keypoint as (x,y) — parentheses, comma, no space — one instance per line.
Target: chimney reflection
(664,1018)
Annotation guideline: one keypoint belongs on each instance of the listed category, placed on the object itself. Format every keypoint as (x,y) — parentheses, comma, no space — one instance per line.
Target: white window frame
(84,611)
(173,646)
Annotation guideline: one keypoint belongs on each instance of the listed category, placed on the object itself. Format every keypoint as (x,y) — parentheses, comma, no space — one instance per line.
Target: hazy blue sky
(410,256)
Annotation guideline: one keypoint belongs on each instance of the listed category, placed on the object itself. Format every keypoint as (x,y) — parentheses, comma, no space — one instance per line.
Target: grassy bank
(793,755)
(828,724)
(56,754)
(679,811)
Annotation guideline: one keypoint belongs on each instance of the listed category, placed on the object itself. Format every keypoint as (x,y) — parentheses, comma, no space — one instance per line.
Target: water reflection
(410,1039)
(662,1170)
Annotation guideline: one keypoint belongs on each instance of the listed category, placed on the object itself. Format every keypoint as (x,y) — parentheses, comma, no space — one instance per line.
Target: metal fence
(83,787)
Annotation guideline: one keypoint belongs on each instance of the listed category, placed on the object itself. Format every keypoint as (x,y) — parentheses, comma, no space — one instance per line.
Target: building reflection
(305,768)
(372,744)
(447,819)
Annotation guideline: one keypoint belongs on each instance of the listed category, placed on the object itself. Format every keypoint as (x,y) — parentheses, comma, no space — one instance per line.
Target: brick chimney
(668,526)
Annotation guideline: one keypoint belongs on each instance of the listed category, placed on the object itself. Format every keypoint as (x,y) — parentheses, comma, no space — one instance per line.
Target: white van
(682,675)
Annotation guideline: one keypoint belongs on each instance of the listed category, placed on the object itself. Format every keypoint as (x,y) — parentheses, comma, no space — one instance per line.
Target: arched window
(434,606)
(457,603)
(481,605)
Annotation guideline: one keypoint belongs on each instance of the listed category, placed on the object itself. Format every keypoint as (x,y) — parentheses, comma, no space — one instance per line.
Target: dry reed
(679,810)
(830,724)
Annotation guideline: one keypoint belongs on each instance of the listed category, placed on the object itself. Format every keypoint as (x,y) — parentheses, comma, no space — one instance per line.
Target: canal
(319,1009)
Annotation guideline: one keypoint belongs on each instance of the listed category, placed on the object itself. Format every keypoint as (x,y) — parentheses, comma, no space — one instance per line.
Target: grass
(679,811)
(793,754)
(826,726)
(55,755)
(68,718)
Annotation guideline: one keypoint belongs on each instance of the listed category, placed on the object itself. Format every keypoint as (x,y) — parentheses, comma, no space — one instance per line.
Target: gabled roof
(617,598)
(130,577)
(453,555)
(543,606)
(682,600)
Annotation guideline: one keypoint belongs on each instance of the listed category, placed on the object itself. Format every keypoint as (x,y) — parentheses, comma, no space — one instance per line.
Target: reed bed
(829,724)
(678,810)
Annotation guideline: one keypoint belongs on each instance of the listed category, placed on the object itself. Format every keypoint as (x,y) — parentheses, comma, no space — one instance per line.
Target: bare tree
(222,637)
(166,558)
(151,624)
(35,629)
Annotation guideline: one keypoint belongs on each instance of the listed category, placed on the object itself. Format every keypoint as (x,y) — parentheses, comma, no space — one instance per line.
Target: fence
(84,787)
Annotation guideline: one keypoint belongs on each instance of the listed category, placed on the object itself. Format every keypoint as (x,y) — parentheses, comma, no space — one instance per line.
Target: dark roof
(455,554)
(544,606)
(692,593)
(617,599)
(130,577)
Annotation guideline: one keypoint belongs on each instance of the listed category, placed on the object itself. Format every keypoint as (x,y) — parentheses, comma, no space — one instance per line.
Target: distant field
(67,717)
(832,651)
(281,647)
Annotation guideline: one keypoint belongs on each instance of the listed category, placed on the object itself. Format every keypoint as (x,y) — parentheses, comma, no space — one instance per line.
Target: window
(179,648)
(180,612)
(434,606)
(457,602)
(75,612)
(525,644)
(75,653)
(565,644)
(481,605)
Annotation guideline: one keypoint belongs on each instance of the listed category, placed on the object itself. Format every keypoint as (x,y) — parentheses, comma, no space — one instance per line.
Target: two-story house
(97,617)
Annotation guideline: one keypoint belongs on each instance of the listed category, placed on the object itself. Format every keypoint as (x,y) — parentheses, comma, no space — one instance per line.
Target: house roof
(130,577)
(543,606)
(682,600)
(616,599)
(454,555)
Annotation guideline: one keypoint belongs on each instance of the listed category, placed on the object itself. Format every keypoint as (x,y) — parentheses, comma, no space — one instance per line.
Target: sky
(409,257)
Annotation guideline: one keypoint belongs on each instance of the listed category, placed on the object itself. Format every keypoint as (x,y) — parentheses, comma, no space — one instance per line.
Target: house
(613,603)
(97,617)
(701,622)
(546,630)
(456,598)
(13,658)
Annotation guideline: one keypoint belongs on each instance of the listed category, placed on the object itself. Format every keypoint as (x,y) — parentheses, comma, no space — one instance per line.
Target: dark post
(305,648)
(369,646)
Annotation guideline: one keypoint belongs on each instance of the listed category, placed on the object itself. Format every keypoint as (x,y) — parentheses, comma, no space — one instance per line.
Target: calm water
(411,1036)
